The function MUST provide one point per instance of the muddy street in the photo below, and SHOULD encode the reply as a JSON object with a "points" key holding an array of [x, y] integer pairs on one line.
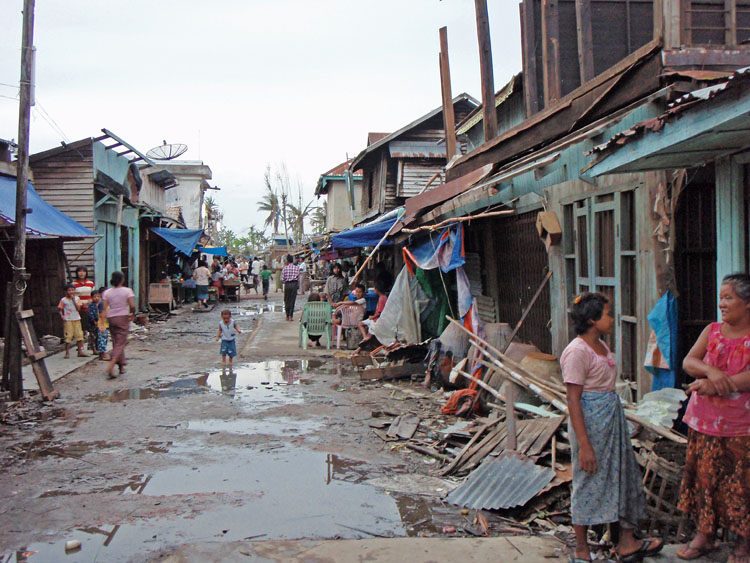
{"points": [[178, 452]]}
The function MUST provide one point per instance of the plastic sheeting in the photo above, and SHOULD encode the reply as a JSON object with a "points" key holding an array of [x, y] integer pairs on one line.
{"points": [[400, 319], [664, 323], [45, 219], [214, 250], [184, 240], [360, 237]]}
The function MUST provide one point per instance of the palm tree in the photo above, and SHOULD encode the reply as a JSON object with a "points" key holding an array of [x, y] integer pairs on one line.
{"points": [[319, 217], [297, 216], [269, 203]]}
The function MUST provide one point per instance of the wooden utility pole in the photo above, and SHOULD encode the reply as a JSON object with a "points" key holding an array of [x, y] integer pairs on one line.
{"points": [[485, 66], [20, 277], [449, 118]]}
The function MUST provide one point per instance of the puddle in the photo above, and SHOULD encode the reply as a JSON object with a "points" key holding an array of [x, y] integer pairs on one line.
{"points": [[283, 427], [285, 494], [174, 389], [266, 381]]}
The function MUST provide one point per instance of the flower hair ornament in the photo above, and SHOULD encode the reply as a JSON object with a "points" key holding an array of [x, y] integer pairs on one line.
{"points": [[577, 300]]}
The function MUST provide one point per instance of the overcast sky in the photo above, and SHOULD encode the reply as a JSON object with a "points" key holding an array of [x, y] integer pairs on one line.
{"points": [[245, 83]]}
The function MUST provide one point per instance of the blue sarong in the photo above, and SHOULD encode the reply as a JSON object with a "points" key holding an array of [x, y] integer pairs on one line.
{"points": [[615, 492]]}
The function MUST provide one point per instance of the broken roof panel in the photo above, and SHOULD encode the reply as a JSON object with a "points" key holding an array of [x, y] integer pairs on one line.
{"points": [[511, 480]]}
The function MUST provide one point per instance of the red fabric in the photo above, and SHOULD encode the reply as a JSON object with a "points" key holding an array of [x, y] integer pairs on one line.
{"points": [[451, 407], [85, 297], [379, 309]]}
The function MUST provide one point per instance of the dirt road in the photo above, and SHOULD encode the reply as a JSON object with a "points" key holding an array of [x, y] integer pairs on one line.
{"points": [[177, 460]]}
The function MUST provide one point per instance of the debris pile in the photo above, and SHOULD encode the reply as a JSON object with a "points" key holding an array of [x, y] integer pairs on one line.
{"points": [[512, 457]]}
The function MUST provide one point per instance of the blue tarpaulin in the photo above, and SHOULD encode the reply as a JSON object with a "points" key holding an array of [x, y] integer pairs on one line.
{"points": [[360, 237], [215, 250], [184, 240], [663, 321], [44, 219]]}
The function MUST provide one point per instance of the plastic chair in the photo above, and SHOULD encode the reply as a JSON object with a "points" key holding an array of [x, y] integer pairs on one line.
{"points": [[316, 320], [351, 315]]}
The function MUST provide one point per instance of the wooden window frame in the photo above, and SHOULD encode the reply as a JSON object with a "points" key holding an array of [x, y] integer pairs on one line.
{"points": [[587, 207], [728, 8]]}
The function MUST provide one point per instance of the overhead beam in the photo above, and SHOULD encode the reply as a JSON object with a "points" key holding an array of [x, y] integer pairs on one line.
{"points": [[485, 67], [449, 118]]}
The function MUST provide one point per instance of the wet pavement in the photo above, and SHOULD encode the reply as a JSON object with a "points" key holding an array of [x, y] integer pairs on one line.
{"points": [[187, 453]]}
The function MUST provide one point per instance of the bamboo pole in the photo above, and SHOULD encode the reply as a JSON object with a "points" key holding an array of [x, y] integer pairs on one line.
{"points": [[458, 220], [549, 397], [374, 250]]}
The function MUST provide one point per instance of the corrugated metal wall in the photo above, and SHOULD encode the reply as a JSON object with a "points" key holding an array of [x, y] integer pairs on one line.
{"points": [[520, 261], [66, 181]]}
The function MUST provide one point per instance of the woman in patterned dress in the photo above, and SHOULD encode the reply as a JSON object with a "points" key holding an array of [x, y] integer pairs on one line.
{"points": [[715, 487], [606, 477]]}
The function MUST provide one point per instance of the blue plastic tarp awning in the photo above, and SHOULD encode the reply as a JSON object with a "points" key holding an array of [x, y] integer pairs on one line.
{"points": [[45, 219], [360, 237], [184, 240], [214, 250]]}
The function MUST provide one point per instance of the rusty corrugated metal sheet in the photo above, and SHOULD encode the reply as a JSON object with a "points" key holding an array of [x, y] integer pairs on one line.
{"points": [[416, 149], [508, 481]]}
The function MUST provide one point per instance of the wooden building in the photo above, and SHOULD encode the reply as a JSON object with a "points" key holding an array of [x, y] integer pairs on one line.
{"points": [[598, 75], [343, 193], [398, 166], [98, 182]]}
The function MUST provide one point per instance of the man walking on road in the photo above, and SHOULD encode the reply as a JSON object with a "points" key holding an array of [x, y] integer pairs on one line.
{"points": [[290, 279]]}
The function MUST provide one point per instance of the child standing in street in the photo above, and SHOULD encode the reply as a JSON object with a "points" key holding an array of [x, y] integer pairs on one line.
{"points": [[228, 331], [607, 481], [99, 331], [265, 275], [69, 307]]}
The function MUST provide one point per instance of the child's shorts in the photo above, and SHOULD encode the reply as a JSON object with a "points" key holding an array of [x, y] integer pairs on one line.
{"points": [[228, 348], [72, 331]]}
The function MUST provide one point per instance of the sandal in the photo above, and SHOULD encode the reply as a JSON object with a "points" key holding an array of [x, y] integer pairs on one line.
{"points": [[687, 552], [645, 551]]}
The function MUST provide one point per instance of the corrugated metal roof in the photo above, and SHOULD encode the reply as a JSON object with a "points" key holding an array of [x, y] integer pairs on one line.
{"points": [[417, 149], [508, 481]]}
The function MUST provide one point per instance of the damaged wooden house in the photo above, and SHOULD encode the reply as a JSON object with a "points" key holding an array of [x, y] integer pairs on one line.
{"points": [[621, 158]]}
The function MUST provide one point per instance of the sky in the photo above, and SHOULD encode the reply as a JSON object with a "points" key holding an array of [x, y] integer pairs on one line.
{"points": [[245, 83]]}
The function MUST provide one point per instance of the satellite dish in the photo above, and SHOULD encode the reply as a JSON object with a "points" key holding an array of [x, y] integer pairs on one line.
{"points": [[167, 151]]}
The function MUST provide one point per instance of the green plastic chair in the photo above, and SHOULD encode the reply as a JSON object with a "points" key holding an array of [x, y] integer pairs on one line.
{"points": [[316, 320]]}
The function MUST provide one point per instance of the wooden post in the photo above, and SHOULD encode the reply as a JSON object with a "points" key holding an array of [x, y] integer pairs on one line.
{"points": [[510, 416], [528, 51], [20, 277], [449, 118], [585, 41], [485, 66], [550, 51]]}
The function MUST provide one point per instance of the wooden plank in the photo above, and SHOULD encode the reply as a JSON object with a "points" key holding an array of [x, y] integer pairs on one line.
{"points": [[585, 40], [449, 119], [485, 69], [510, 416], [404, 427], [389, 372], [36, 355], [469, 445], [551, 51], [528, 43]]}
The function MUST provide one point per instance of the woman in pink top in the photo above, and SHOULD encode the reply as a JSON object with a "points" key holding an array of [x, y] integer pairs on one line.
{"points": [[606, 477], [715, 487], [119, 306]]}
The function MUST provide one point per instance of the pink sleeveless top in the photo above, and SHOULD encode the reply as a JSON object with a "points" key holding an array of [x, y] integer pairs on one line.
{"points": [[722, 416]]}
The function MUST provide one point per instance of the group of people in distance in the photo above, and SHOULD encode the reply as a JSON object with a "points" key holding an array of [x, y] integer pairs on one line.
{"points": [[607, 481]]}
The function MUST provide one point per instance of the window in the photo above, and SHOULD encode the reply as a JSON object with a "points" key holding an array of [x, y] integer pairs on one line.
{"points": [[716, 22], [600, 248]]}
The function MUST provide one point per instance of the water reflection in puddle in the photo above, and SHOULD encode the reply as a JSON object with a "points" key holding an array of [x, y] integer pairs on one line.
{"points": [[283, 427], [285, 494]]}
